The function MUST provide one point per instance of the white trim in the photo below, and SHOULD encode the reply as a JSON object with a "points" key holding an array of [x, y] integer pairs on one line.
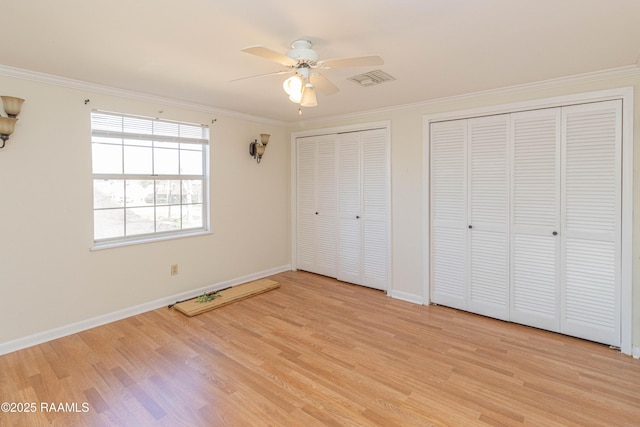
{"points": [[578, 98], [405, 296], [35, 76], [341, 129], [52, 334], [626, 250], [636, 352], [624, 93], [389, 212], [426, 211], [294, 202], [117, 244], [620, 72]]}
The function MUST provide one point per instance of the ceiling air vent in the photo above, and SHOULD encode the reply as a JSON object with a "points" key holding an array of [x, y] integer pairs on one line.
{"points": [[372, 78]]}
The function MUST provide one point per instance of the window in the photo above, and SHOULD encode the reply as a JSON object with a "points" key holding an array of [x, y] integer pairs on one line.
{"points": [[149, 178]]}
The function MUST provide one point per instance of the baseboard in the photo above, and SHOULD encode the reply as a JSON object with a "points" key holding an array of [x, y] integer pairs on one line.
{"points": [[636, 352], [52, 334], [405, 296]]}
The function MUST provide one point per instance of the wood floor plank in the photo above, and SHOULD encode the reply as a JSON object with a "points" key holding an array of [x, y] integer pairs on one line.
{"points": [[319, 352], [194, 306]]}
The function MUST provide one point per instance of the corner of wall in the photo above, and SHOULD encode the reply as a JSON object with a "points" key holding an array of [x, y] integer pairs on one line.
{"points": [[405, 296]]}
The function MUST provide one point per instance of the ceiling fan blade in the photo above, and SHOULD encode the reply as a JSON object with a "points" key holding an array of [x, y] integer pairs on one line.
{"points": [[263, 75], [271, 55], [323, 84], [359, 61]]}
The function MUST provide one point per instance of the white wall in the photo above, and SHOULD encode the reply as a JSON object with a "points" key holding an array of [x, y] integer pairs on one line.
{"points": [[49, 277], [408, 192]]}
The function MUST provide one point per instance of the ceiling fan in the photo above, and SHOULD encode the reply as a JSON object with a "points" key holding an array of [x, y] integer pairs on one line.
{"points": [[303, 62]]}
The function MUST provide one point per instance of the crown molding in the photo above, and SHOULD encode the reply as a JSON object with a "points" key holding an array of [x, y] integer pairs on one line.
{"points": [[620, 72], [612, 73], [7, 71]]}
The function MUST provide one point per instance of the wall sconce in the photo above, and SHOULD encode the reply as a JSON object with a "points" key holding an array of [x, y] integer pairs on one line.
{"points": [[12, 107], [256, 149]]}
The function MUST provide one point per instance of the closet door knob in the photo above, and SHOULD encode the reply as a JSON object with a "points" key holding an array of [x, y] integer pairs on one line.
{"points": [[470, 226], [316, 213], [555, 233], [357, 216]]}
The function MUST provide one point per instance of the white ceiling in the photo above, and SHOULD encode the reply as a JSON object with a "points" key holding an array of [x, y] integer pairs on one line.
{"points": [[189, 50]]}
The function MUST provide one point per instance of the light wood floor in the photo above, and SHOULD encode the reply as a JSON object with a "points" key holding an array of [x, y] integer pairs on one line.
{"points": [[320, 352]]}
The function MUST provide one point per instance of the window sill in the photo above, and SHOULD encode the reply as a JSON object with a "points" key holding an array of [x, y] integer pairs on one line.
{"points": [[145, 240]]}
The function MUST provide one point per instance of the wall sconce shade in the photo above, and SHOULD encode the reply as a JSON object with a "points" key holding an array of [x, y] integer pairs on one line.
{"points": [[256, 149], [12, 106], [7, 124], [6, 128]]}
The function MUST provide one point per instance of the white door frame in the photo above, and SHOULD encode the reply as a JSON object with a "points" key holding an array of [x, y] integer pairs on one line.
{"points": [[626, 95]]}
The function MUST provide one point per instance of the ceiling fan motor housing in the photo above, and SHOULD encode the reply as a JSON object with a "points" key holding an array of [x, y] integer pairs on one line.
{"points": [[301, 51]]}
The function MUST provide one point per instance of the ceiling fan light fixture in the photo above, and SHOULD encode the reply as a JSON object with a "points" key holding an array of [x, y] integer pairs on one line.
{"points": [[295, 98], [293, 87], [309, 98]]}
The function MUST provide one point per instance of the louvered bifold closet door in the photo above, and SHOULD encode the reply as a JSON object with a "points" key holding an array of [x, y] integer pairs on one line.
{"points": [[363, 208], [488, 200], [326, 206], [535, 214], [448, 234], [375, 208], [591, 209], [316, 204], [306, 203], [349, 202]]}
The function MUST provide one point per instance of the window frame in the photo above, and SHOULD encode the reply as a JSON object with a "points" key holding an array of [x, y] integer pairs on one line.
{"points": [[153, 137]]}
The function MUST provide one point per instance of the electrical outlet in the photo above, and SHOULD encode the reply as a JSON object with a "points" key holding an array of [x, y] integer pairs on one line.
{"points": [[174, 269]]}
